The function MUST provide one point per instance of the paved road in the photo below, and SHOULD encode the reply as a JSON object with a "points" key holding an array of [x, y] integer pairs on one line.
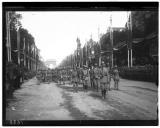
{"points": [[134, 101]]}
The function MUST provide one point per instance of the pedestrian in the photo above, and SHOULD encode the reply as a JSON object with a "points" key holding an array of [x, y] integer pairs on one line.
{"points": [[96, 77], [116, 77], [104, 80]]}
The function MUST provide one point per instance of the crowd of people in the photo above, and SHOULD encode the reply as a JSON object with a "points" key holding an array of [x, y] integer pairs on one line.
{"points": [[96, 77]]}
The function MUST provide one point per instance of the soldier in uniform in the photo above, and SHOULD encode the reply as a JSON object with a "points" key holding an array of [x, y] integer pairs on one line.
{"points": [[91, 72], [116, 77], [38, 76], [52, 72], [85, 78], [80, 74], [109, 77], [96, 77], [70, 76], [60, 76], [44, 75], [47, 76], [104, 80], [75, 79], [63, 76]]}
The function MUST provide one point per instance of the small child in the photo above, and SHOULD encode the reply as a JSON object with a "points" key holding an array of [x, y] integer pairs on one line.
{"points": [[116, 78]]}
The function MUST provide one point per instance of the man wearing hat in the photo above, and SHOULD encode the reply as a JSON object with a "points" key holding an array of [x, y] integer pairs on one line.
{"points": [[38, 76], [96, 76], [75, 79], [104, 80], [85, 78], [116, 77], [91, 72], [109, 77]]}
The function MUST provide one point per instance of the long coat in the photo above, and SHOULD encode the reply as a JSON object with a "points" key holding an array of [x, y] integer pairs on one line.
{"points": [[104, 75]]}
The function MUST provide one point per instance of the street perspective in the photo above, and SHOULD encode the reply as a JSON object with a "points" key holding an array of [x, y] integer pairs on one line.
{"points": [[80, 65]]}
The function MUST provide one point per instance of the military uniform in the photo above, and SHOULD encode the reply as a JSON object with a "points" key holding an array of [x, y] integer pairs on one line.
{"points": [[48, 76], [85, 78], [75, 79], [116, 78], [38, 76], [96, 77], [104, 81], [92, 78]]}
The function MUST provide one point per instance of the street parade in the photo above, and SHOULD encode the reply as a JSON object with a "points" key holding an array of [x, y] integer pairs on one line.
{"points": [[97, 78], [80, 65]]}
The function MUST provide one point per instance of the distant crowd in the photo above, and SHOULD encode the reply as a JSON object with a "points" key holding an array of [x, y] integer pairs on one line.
{"points": [[96, 77]]}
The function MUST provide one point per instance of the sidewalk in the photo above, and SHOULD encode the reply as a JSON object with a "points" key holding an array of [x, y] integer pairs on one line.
{"points": [[139, 84]]}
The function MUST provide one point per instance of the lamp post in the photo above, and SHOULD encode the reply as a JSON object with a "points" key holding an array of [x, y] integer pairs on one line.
{"points": [[111, 39]]}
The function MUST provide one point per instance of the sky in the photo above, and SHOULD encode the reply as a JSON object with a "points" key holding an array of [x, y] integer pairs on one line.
{"points": [[55, 33]]}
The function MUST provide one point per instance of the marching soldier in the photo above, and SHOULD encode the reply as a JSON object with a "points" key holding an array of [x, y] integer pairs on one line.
{"points": [[38, 76], [53, 75], [75, 79], [85, 78], [63, 76], [116, 77], [48, 76], [96, 77], [92, 77], [109, 77], [80, 73], [104, 80], [60, 76], [70, 76]]}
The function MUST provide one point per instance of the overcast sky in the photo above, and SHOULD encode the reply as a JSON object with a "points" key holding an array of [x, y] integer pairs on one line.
{"points": [[56, 32]]}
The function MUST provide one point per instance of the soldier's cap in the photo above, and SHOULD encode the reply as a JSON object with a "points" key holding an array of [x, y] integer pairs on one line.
{"points": [[84, 66]]}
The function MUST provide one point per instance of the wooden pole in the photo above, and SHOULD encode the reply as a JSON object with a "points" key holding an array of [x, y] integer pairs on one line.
{"points": [[131, 37], [128, 59], [24, 52], [111, 38], [100, 58], [8, 41], [131, 59], [28, 57], [18, 45]]}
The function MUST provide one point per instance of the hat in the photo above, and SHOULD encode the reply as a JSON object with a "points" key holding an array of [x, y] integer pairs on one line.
{"points": [[84, 66]]}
